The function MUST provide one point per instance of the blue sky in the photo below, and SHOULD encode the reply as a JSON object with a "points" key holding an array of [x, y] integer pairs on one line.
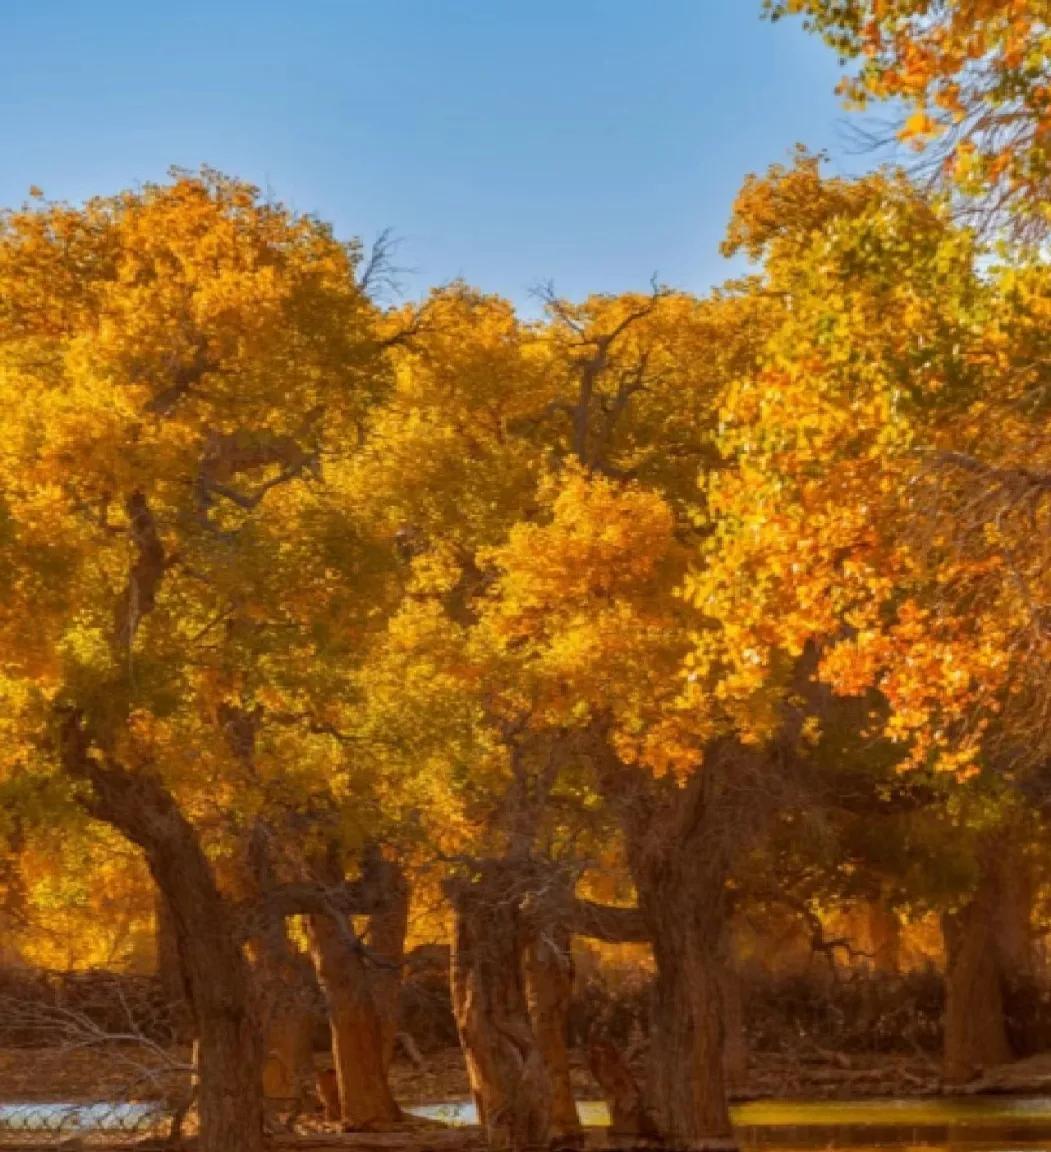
{"points": [[588, 142]]}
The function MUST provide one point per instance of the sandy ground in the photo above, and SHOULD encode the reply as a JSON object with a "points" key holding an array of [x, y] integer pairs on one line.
{"points": [[119, 1074]]}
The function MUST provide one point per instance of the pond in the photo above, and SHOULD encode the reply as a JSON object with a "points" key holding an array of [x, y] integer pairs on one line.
{"points": [[979, 1124]]}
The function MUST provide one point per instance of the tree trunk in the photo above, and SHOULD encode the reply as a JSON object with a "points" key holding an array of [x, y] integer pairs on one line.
{"points": [[735, 1043], [548, 969], [357, 1032], [167, 968], [505, 1065], [288, 1023], [975, 1029], [229, 1099], [288, 1070], [627, 1109], [679, 842], [884, 931], [285, 984], [988, 952], [229, 1094], [328, 1091], [687, 1087], [1015, 940], [386, 932], [169, 973], [1014, 912]]}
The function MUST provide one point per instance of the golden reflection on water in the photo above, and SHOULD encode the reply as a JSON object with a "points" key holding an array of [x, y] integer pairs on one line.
{"points": [[940, 1124]]}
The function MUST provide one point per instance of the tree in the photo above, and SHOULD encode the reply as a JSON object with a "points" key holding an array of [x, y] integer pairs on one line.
{"points": [[975, 79], [879, 513], [589, 636], [176, 364]]}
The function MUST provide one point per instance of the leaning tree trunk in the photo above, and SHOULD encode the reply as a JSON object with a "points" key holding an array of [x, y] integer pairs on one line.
{"points": [[168, 969], [505, 1064], [357, 1030], [229, 1092], [548, 968]]}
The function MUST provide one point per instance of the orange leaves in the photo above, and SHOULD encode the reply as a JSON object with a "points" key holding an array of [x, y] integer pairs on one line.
{"points": [[586, 598], [833, 527], [884, 503], [403, 542], [978, 67], [919, 129], [211, 354], [603, 542]]}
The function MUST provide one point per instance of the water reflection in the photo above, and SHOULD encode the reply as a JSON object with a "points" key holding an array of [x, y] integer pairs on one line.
{"points": [[1001, 1124], [934, 1125]]}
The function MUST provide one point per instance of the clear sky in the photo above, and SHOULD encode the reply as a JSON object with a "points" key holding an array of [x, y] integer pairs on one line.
{"points": [[588, 142]]}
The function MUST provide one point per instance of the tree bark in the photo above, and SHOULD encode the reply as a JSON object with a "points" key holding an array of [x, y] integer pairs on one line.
{"points": [[287, 1021], [385, 936], [687, 1088], [357, 1030], [884, 930], [735, 1043], [285, 984], [505, 1064], [680, 839], [229, 1095], [975, 1028], [168, 968], [548, 969], [288, 1068], [988, 950], [627, 1108]]}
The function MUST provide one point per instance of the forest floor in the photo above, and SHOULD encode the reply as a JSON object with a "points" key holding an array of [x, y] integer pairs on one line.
{"points": [[798, 1075], [41, 1074]]}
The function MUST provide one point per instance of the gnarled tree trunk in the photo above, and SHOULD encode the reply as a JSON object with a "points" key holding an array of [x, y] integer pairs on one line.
{"points": [[168, 969], [505, 1064], [987, 948], [229, 1094], [385, 936], [680, 839], [616, 1081], [687, 1088], [548, 969], [285, 983], [357, 1030]]}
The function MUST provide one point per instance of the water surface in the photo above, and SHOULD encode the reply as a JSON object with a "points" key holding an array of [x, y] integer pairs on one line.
{"points": [[978, 1124], [939, 1124]]}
